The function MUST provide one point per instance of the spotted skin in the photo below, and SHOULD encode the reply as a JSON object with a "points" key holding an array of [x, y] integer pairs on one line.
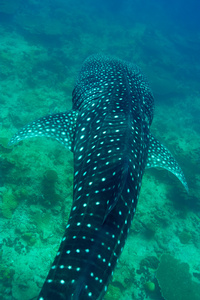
{"points": [[108, 132]]}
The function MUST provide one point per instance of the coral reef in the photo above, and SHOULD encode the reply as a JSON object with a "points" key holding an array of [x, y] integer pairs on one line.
{"points": [[9, 204], [42, 222], [4, 145], [50, 197], [185, 236], [50, 177], [6, 274], [113, 293], [150, 228], [150, 286], [175, 280], [150, 262], [30, 238]]}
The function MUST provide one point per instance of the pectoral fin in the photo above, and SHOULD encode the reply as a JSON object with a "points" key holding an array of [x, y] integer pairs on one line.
{"points": [[160, 157], [59, 126]]}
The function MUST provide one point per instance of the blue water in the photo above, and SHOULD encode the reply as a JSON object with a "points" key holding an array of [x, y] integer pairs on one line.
{"points": [[43, 45]]}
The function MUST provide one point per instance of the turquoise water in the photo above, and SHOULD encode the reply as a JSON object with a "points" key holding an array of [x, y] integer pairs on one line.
{"points": [[42, 47]]}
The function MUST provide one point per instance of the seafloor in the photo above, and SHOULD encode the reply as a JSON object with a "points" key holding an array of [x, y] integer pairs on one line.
{"points": [[39, 62]]}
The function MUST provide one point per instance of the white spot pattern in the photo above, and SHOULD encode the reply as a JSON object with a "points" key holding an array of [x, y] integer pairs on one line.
{"points": [[108, 131]]}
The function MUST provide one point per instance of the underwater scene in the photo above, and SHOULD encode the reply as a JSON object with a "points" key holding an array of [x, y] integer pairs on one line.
{"points": [[43, 45]]}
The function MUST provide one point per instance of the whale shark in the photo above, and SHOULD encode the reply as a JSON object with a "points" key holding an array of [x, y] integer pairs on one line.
{"points": [[108, 131]]}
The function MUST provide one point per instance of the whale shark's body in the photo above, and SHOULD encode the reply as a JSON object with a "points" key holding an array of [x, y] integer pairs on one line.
{"points": [[108, 132]]}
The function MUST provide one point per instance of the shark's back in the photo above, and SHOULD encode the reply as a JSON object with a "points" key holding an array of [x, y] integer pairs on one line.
{"points": [[108, 132], [110, 152]]}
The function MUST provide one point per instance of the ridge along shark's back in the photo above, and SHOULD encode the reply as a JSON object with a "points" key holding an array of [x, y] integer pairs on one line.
{"points": [[108, 132]]}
